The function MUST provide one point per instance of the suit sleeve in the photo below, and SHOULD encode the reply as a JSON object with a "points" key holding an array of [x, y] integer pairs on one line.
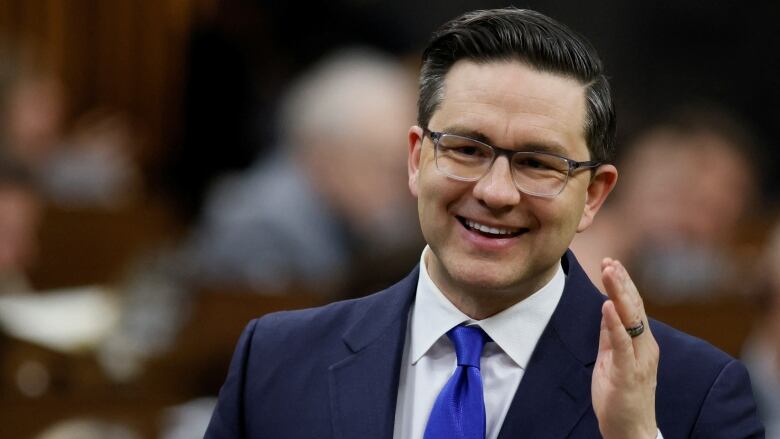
{"points": [[227, 421], [729, 410]]}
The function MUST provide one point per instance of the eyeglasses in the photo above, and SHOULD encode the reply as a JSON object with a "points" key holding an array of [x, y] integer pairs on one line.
{"points": [[534, 173]]}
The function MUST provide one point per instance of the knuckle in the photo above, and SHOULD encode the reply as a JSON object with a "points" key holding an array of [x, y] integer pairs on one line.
{"points": [[655, 350], [647, 373]]}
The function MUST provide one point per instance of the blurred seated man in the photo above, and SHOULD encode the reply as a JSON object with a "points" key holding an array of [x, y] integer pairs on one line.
{"points": [[686, 184], [329, 200], [20, 216], [90, 165], [334, 189], [762, 351]]}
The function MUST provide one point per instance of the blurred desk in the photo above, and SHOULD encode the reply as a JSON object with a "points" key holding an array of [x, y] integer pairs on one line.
{"points": [[85, 246], [76, 386], [724, 321], [39, 387], [205, 345]]}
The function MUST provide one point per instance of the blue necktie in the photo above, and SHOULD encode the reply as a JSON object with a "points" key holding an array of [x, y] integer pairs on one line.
{"points": [[459, 410]]}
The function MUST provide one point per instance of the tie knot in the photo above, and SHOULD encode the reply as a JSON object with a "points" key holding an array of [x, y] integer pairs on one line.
{"points": [[469, 342]]}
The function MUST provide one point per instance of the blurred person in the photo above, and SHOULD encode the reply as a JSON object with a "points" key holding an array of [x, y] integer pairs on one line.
{"points": [[687, 184], [34, 116], [333, 191], [90, 165], [497, 332], [761, 353], [94, 165], [299, 218], [20, 217]]}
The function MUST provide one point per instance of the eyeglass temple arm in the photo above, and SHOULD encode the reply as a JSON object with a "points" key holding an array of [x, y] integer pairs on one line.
{"points": [[585, 165]]}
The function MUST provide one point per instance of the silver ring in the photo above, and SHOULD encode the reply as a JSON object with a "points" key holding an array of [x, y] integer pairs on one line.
{"points": [[636, 331]]}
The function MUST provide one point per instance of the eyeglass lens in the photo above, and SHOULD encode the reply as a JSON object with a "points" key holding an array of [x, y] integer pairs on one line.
{"points": [[533, 173]]}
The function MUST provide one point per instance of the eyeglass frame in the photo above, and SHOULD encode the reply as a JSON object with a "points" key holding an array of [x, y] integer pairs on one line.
{"points": [[573, 165]]}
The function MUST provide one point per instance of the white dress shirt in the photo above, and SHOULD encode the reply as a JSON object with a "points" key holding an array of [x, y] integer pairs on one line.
{"points": [[429, 356]]}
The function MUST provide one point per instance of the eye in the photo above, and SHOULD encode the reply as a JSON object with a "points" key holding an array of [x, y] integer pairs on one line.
{"points": [[533, 163], [468, 150], [463, 148], [540, 163]]}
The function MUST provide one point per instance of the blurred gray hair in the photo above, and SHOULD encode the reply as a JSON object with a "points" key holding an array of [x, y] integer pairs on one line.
{"points": [[328, 99]]}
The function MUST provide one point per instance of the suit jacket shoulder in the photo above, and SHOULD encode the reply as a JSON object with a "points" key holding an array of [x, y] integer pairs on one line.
{"points": [[319, 372], [702, 392], [714, 387]]}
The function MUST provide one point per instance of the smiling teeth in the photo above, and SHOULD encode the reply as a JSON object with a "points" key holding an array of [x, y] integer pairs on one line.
{"points": [[492, 230]]}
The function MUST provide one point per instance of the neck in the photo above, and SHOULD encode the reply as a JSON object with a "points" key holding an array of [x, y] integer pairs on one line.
{"points": [[482, 301], [479, 309]]}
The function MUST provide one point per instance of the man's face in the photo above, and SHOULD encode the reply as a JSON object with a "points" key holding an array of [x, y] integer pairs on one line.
{"points": [[509, 105]]}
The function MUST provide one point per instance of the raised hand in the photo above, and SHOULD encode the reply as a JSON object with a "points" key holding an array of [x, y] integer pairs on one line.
{"points": [[624, 378]]}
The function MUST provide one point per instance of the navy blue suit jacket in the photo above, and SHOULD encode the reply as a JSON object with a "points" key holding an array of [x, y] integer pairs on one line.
{"points": [[332, 372]]}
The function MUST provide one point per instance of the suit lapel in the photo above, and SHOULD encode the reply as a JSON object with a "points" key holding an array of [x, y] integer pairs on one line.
{"points": [[554, 393], [364, 385]]}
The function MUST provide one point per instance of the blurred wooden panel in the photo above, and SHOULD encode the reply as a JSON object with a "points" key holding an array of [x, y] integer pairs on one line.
{"points": [[127, 55], [28, 418], [206, 343], [725, 322], [68, 386], [94, 246]]}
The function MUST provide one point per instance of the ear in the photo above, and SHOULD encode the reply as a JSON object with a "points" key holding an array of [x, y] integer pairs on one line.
{"points": [[601, 184], [413, 162]]}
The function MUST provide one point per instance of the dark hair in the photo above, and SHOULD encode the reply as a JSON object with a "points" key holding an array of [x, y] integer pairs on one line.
{"points": [[532, 38]]}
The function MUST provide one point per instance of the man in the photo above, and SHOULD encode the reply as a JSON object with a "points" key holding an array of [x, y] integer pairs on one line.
{"points": [[507, 163]]}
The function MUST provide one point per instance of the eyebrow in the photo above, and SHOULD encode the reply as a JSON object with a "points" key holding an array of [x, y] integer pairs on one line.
{"points": [[549, 147]]}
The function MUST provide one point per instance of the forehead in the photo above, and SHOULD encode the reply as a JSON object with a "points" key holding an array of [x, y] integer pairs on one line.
{"points": [[513, 105]]}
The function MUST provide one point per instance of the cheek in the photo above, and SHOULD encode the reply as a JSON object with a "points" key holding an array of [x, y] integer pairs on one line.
{"points": [[561, 217], [432, 198], [437, 195], [573, 206], [429, 202]]}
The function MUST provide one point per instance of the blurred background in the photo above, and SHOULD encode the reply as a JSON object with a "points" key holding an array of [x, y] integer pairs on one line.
{"points": [[170, 169]]}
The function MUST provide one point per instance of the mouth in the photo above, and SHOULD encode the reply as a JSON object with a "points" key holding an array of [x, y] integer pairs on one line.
{"points": [[490, 231]]}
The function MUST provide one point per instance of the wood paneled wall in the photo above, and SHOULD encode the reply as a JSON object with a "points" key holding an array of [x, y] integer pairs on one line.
{"points": [[125, 54]]}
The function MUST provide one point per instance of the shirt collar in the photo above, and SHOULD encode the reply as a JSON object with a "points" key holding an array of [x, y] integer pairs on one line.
{"points": [[516, 330]]}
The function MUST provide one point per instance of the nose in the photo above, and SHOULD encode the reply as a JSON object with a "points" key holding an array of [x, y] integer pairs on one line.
{"points": [[496, 189]]}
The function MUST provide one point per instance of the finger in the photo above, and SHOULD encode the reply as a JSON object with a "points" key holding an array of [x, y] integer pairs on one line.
{"points": [[621, 289], [619, 341], [629, 286], [606, 262], [604, 341], [630, 308]]}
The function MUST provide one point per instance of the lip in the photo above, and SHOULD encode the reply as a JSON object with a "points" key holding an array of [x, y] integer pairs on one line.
{"points": [[485, 243]]}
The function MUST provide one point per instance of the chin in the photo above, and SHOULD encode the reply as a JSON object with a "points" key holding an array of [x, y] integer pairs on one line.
{"points": [[486, 277]]}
